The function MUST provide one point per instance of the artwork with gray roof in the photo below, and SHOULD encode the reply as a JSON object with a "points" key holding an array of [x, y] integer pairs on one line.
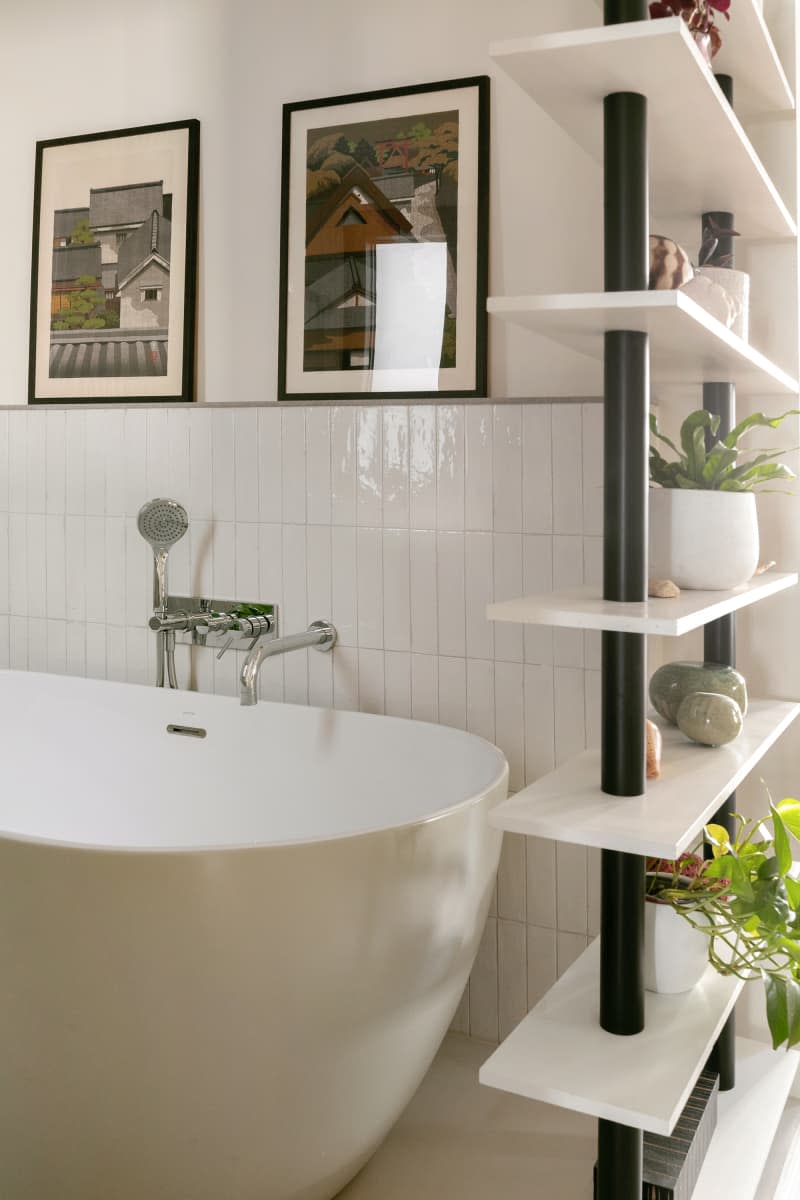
{"points": [[111, 272]]}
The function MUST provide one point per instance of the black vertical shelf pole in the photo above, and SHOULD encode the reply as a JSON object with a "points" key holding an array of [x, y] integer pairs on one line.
{"points": [[619, 1165], [719, 645]]}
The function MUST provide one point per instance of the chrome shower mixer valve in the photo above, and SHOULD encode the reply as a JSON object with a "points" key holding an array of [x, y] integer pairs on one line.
{"points": [[218, 624], [193, 620]]}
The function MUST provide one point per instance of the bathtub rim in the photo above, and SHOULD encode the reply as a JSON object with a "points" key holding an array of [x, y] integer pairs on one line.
{"points": [[499, 780]]}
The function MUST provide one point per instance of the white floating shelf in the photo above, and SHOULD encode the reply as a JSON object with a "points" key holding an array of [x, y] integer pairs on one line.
{"points": [[687, 344], [699, 154], [749, 1115], [568, 805], [559, 1053], [583, 608], [749, 56]]}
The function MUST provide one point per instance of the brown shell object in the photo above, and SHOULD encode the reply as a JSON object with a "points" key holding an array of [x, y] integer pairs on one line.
{"points": [[653, 747], [664, 588], [669, 264]]}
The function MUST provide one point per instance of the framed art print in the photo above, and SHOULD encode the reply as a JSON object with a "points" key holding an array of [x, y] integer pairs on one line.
{"points": [[384, 259], [113, 292]]}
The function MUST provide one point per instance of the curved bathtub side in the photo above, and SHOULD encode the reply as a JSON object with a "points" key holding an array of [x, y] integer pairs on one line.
{"points": [[246, 1024]]}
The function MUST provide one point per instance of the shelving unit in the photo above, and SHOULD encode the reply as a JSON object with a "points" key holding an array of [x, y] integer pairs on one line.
{"points": [[569, 74], [560, 1054], [568, 805], [627, 92], [748, 1116], [583, 607], [687, 344]]}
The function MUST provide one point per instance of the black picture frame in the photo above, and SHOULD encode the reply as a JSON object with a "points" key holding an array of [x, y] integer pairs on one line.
{"points": [[114, 228], [427, 186]]}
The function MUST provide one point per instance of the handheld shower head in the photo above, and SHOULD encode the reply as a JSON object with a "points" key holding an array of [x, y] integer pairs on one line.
{"points": [[162, 523]]}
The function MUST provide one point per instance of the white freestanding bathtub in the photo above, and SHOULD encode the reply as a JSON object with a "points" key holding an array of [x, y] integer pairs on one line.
{"points": [[226, 961]]}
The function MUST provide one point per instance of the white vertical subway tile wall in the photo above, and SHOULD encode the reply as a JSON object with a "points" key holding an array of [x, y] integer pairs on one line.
{"points": [[400, 524]]}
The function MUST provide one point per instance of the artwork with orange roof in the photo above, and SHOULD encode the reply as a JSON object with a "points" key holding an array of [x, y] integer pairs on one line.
{"points": [[372, 184]]}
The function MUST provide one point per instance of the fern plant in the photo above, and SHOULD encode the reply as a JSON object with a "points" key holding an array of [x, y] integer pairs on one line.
{"points": [[718, 467]]}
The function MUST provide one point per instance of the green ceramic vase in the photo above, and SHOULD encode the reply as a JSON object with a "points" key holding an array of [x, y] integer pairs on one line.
{"points": [[672, 682], [709, 718]]}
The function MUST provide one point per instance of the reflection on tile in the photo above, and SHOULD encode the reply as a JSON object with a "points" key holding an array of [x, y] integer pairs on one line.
{"points": [[369, 465], [318, 465], [370, 588], [450, 593], [450, 466], [396, 485], [396, 589], [270, 471], [293, 465], [567, 477], [479, 589], [508, 468], [537, 450], [246, 466], [479, 476], [343, 466], [422, 466]]}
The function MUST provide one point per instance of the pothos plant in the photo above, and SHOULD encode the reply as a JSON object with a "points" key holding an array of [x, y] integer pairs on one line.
{"points": [[746, 901], [718, 468], [699, 15]]}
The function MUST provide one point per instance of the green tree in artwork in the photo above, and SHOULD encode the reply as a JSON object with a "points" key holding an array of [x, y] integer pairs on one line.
{"points": [[364, 153], [86, 308], [81, 235], [417, 133]]}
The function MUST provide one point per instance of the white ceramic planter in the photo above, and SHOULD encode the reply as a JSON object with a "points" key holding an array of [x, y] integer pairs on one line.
{"points": [[675, 955], [713, 298], [736, 285], [701, 539]]}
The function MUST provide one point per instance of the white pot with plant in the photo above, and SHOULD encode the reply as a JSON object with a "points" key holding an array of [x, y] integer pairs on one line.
{"points": [[675, 953], [703, 521], [744, 905]]}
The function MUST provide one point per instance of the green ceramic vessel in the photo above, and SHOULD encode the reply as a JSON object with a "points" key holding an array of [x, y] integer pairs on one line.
{"points": [[709, 718], [670, 683]]}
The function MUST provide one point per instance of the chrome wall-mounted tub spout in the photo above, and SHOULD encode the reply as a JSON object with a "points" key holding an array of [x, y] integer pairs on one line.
{"points": [[162, 523], [320, 635]]}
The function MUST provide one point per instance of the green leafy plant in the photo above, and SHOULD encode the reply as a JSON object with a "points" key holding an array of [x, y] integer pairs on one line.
{"points": [[747, 903], [716, 468]]}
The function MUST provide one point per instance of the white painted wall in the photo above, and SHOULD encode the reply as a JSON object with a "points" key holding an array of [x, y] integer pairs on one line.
{"points": [[232, 64]]}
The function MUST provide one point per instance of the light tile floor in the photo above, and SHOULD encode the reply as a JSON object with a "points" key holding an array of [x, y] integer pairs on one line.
{"points": [[460, 1141]]}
